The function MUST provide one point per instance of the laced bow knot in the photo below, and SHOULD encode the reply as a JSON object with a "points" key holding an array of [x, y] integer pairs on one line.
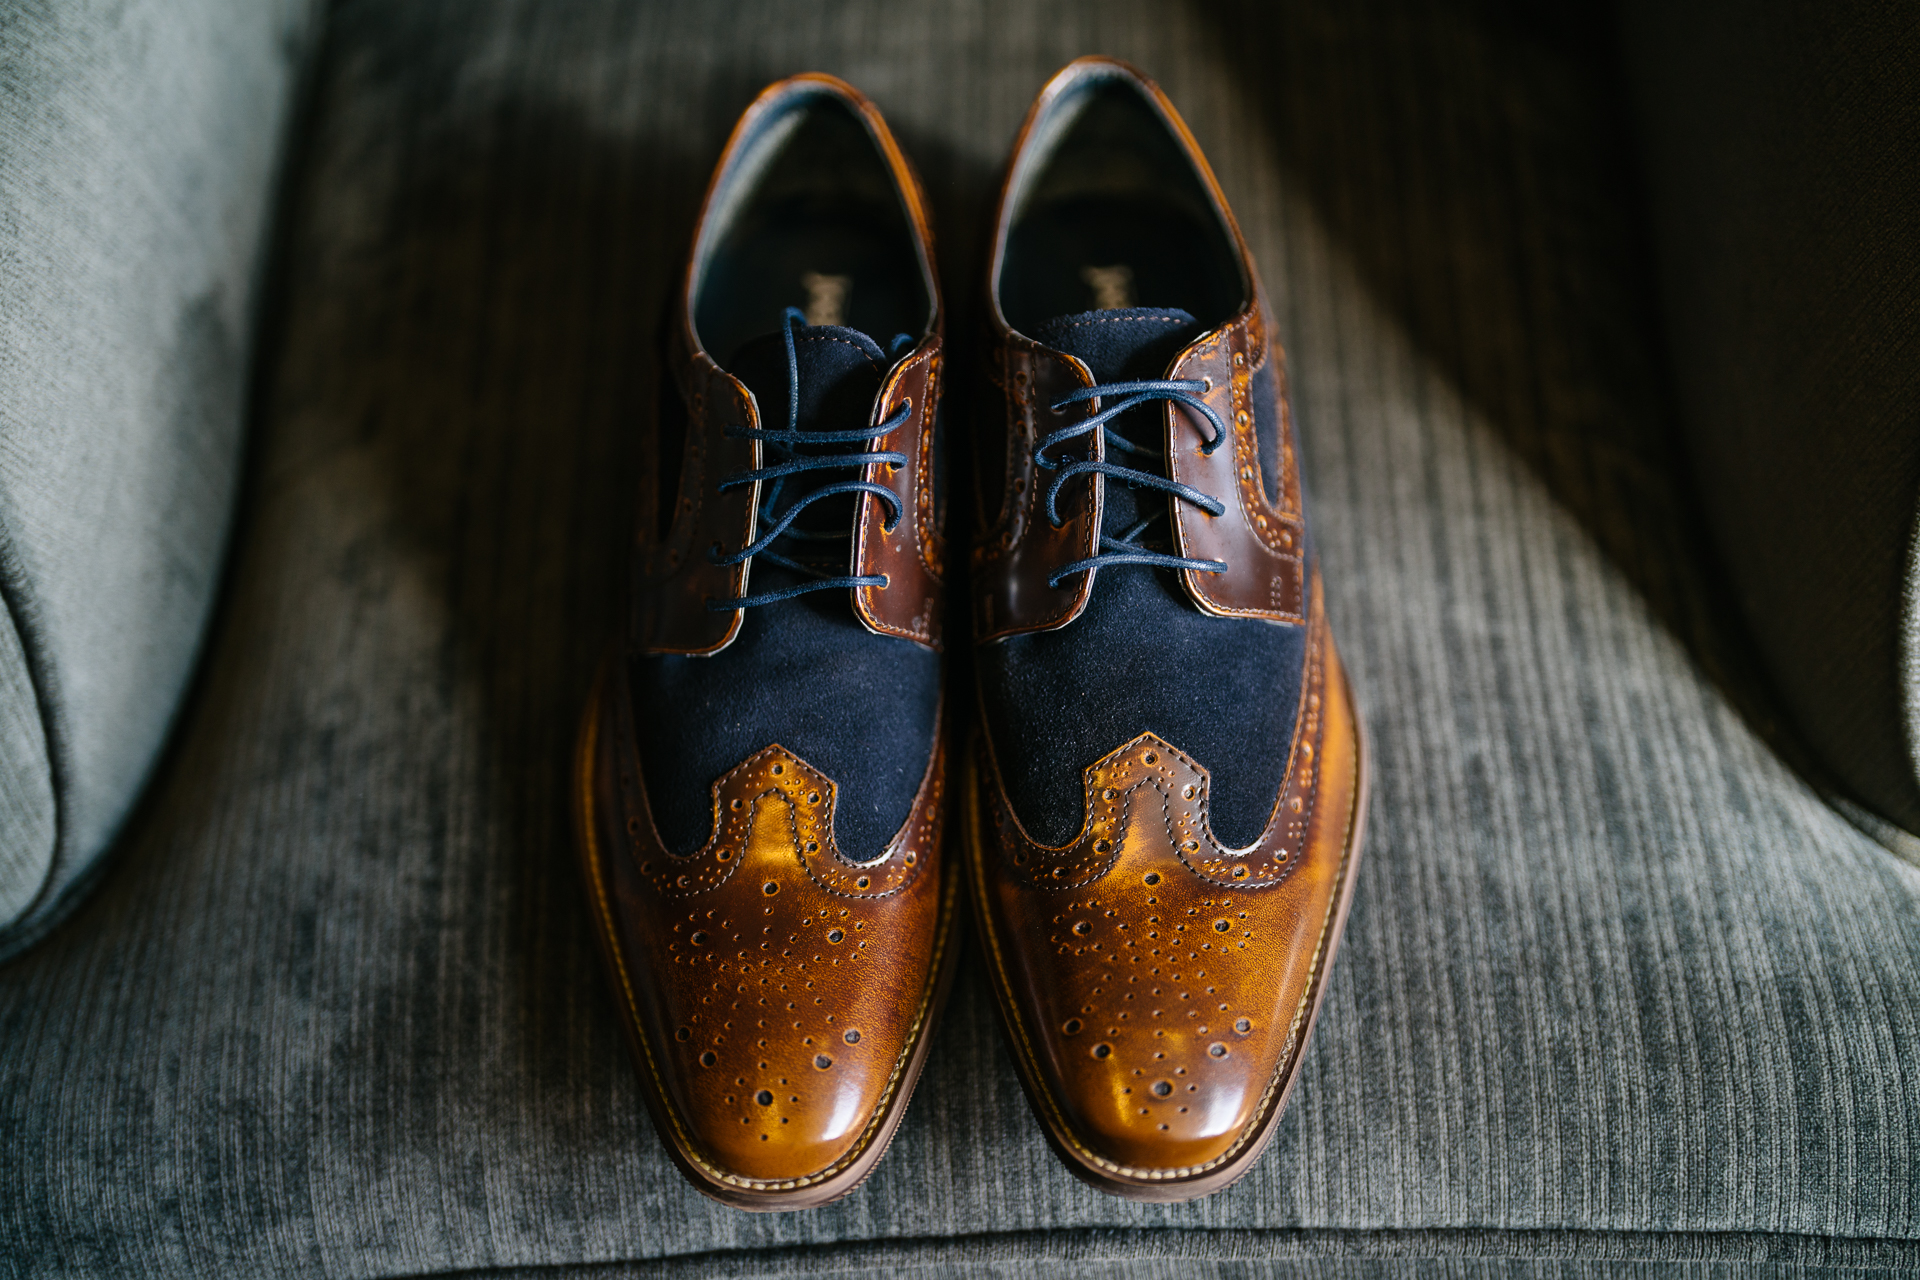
{"points": [[784, 443], [1125, 396]]}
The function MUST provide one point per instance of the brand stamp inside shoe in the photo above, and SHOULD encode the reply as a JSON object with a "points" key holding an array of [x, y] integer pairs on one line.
{"points": [[1112, 286], [826, 297]]}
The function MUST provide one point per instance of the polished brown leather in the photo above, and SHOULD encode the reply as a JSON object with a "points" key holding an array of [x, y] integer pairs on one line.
{"points": [[674, 575], [910, 555], [778, 996], [1015, 556], [1158, 986], [1260, 541]]}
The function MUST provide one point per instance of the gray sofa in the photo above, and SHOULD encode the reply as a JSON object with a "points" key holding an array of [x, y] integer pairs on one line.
{"points": [[323, 331]]}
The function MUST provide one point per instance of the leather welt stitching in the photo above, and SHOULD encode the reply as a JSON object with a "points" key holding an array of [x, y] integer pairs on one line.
{"points": [[680, 1132]]}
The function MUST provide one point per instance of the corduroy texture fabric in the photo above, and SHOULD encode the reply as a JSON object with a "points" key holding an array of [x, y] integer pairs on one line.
{"points": [[1617, 985], [138, 150], [1224, 1255], [1780, 149]]}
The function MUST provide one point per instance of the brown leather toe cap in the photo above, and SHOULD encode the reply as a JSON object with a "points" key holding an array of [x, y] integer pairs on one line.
{"points": [[777, 994], [1158, 986]]}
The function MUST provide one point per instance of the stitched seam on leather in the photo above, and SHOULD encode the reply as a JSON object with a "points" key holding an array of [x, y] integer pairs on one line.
{"points": [[1250, 504], [933, 777], [1316, 657], [1247, 469], [845, 342], [864, 595], [923, 478], [1289, 1049], [1004, 817], [793, 825], [988, 546], [1033, 353], [739, 572], [687, 1146], [1287, 1054], [1256, 327], [1077, 324], [718, 838], [929, 818], [738, 839]]}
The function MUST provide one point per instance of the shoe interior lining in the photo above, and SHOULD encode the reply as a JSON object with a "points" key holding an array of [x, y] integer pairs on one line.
{"points": [[1114, 214], [808, 216]]}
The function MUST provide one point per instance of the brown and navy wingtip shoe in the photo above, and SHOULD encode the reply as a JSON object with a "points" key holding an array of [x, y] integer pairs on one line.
{"points": [[1167, 784], [759, 781]]}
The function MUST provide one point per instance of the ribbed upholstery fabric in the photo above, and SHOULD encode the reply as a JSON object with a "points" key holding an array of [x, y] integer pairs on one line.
{"points": [[1618, 988], [139, 143], [1220, 1255], [26, 781], [1780, 146]]}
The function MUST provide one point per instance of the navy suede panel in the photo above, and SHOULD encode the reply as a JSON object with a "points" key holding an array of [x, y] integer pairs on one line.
{"points": [[803, 672], [1136, 342], [1267, 425], [1141, 657]]}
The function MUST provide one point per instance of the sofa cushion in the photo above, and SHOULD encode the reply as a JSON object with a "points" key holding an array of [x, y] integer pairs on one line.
{"points": [[1781, 143], [138, 147], [1617, 984]]}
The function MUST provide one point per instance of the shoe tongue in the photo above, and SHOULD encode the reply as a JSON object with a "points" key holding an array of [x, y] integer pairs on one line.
{"points": [[1128, 344], [839, 375]]}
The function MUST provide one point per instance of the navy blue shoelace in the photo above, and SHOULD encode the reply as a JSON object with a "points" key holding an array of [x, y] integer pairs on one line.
{"points": [[1121, 397], [784, 444]]}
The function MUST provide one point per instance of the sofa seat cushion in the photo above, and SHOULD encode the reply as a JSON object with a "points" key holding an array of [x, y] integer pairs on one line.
{"points": [[1617, 984]]}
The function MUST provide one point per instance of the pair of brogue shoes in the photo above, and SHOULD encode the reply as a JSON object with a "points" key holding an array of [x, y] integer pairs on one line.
{"points": [[1163, 781]]}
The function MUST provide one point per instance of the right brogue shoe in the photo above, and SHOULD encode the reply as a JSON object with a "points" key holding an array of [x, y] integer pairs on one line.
{"points": [[1168, 783]]}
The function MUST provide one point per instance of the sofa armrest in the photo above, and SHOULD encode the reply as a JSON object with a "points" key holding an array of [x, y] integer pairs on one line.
{"points": [[1781, 140], [139, 143]]}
